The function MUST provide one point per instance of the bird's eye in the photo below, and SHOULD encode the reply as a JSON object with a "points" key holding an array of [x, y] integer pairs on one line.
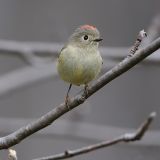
{"points": [[85, 37]]}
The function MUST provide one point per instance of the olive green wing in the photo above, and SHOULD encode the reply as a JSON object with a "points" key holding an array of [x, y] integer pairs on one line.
{"points": [[61, 51]]}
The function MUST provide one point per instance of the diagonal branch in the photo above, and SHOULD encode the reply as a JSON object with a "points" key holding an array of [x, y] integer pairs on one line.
{"points": [[127, 137], [47, 119]]}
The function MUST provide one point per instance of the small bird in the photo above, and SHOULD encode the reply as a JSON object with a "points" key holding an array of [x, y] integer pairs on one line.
{"points": [[79, 61]]}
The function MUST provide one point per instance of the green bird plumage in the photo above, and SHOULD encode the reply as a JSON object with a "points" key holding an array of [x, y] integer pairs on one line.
{"points": [[79, 61]]}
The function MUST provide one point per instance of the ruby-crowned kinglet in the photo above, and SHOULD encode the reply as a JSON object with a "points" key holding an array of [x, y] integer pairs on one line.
{"points": [[79, 61]]}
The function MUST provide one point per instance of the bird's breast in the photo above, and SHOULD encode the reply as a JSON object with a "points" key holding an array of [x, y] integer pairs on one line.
{"points": [[79, 67]]}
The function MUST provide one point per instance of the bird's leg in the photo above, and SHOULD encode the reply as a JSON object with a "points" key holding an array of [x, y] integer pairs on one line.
{"points": [[85, 93], [67, 97]]}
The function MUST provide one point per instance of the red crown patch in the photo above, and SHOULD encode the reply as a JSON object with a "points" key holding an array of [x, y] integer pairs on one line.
{"points": [[88, 27]]}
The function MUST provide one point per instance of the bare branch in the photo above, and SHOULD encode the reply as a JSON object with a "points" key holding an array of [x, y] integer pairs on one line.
{"points": [[127, 137], [60, 128], [23, 77], [141, 130], [139, 39], [47, 119], [29, 50]]}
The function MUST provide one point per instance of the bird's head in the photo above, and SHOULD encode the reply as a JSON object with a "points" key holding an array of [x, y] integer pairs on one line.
{"points": [[85, 36]]}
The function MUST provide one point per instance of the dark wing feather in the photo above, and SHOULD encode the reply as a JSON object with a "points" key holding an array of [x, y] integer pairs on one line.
{"points": [[61, 51]]}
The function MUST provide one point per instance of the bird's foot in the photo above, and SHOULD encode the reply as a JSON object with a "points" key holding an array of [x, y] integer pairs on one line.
{"points": [[67, 102], [67, 99], [85, 93]]}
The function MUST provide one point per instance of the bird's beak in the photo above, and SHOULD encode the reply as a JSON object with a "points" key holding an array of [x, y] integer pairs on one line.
{"points": [[98, 40]]}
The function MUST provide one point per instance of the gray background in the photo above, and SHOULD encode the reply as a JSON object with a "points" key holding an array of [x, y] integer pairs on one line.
{"points": [[122, 104]]}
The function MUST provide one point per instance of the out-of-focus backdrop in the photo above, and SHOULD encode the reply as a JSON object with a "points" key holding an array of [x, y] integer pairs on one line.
{"points": [[30, 87]]}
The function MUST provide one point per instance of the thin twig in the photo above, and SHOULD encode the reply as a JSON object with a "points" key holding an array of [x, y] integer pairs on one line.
{"points": [[83, 130], [139, 39], [47, 119], [127, 137]]}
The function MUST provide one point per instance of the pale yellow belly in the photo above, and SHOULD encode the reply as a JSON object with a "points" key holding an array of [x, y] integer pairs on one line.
{"points": [[79, 70]]}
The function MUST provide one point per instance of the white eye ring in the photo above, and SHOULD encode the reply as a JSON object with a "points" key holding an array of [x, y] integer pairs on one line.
{"points": [[85, 37]]}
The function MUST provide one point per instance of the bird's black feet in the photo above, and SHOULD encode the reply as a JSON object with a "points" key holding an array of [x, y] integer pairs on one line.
{"points": [[67, 102], [67, 99], [85, 93]]}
